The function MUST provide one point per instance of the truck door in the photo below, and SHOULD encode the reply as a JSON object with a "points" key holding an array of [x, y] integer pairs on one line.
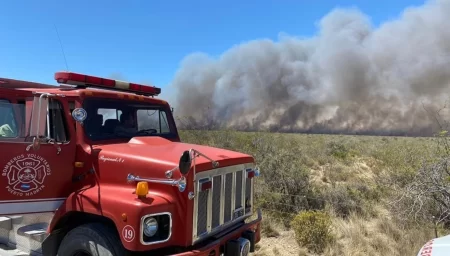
{"points": [[34, 180]]}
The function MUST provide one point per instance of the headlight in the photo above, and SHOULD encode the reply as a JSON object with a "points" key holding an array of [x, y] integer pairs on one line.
{"points": [[156, 228], [150, 227]]}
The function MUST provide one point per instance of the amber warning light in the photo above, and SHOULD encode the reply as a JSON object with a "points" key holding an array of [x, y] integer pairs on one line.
{"points": [[81, 80]]}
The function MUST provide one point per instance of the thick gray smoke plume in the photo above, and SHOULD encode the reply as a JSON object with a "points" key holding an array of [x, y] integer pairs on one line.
{"points": [[349, 78]]}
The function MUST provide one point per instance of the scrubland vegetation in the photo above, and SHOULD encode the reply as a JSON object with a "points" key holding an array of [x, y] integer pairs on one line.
{"points": [[344, 195]]}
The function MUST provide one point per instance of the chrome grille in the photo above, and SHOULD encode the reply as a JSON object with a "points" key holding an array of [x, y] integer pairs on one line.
{"points": [[228, 197], [248, 197], [202, 212], [238, 195], [214, 208], [216, 202]]}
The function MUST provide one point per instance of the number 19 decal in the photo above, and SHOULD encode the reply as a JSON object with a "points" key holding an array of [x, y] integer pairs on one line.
{"points": [[128, 233]]}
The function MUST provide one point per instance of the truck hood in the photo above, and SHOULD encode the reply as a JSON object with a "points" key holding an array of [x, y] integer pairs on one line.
{"points": [[159, 155]]}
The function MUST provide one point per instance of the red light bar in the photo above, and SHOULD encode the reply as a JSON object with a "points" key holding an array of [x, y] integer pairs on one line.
{"points": [[92, 81]]}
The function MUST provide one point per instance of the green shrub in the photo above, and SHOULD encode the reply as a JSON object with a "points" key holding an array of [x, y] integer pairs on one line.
{"points": [[338, 150], [344, 201], [352, 198], [313, 230], [341, 150]]}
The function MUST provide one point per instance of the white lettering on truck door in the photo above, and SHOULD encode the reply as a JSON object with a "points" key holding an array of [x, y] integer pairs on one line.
{"points": [[26, 174]]}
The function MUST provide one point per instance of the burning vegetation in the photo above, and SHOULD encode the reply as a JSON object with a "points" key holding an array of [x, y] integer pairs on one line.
{"points": [[351, 77]]}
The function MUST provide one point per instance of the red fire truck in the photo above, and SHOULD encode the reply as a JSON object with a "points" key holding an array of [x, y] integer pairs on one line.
{"points": [[95, 166]]}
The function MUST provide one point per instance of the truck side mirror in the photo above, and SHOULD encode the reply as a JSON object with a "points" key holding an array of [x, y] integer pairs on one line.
{"points": [[185, 162], [38, 118]]}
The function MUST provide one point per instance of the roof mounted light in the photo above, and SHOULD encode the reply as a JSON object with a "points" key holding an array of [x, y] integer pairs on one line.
{"points": [[81, 80]]}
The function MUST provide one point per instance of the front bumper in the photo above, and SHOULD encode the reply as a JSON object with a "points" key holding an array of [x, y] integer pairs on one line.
{"points": [[217, 247]]}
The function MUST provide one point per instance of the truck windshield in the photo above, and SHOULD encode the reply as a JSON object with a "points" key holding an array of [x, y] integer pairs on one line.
{"points": [[115, 119]]}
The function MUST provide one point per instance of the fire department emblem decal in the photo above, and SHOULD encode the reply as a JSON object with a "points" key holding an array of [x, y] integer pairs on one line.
{"points": [[26, 174]]}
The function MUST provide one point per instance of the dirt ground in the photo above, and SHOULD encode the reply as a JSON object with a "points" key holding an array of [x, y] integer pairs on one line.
{"points": [[283, 245]]}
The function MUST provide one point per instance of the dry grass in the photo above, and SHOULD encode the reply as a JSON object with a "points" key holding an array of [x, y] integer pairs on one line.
{"points": [[376, 236], [352, 177]]}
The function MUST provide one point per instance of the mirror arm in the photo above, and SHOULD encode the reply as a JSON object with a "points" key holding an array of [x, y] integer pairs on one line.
{"points": [[48, 95], [39, 113], [173, 169], [36, 140], [195, 153]]}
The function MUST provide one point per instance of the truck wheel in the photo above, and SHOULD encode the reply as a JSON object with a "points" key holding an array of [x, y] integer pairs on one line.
{"points": [[93, 239]]}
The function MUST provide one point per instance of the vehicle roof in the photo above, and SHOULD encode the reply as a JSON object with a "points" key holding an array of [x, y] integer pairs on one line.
{"points": [[71, 91]]}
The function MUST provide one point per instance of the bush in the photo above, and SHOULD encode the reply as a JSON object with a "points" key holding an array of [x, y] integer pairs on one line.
{"points": [[338, 150], [348, 198], [284, 187], [344, 201], [313, 230]]}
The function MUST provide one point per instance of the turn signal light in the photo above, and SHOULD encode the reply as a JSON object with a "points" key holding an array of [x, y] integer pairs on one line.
{"points": [[79, 164], [142, 189]]}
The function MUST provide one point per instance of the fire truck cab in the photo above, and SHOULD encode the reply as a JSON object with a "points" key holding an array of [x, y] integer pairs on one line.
{"points": [[95, 166]]}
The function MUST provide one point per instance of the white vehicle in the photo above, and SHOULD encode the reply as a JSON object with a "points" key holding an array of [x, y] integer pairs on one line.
{"points": [[436, 247]]}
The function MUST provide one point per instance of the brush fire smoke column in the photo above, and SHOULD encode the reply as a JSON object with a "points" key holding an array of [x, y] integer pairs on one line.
{"points": [[350, 77]]}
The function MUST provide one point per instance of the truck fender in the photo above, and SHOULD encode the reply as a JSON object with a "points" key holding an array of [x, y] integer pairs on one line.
{"points": [[107, 205]]}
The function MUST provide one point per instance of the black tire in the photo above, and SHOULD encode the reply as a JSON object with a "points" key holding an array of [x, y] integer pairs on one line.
{"points": [[93, 239]]}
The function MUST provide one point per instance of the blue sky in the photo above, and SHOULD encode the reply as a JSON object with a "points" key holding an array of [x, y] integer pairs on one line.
{"points": [[145, 41]]}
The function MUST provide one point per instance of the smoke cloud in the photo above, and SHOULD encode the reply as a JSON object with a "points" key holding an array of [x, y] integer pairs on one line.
{"points": [[349, 78]]}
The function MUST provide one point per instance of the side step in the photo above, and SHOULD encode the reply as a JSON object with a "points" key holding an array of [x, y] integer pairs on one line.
{"points": [[6, 251], [37, 232], [5, 223], [23, 235]]}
